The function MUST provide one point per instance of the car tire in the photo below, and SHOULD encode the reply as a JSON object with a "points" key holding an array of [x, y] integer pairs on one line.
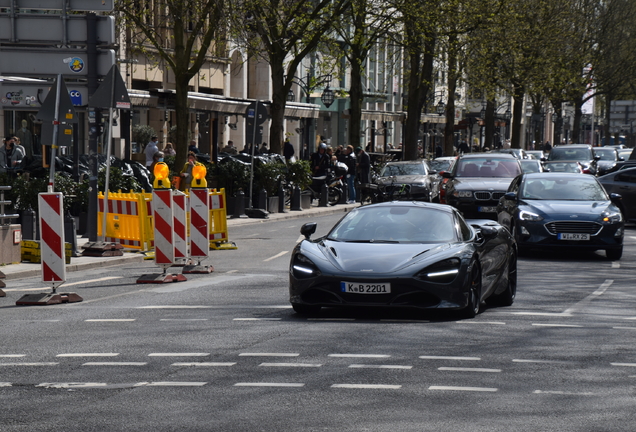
{"points": [[507, 297], [303, 309], [614, 254], [473, 307]]}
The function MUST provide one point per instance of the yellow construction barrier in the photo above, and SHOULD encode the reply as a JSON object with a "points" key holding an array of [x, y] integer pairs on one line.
{"points": [[218, 221], [30, 251]]}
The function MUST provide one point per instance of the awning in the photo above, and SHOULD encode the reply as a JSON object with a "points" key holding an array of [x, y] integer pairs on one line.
{"points": [[302, 110], [379, 116], [142, 98], [207, 102]]}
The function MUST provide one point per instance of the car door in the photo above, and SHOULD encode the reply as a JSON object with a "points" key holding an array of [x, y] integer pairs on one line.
{"points": [[506, 209], [625, 184]]}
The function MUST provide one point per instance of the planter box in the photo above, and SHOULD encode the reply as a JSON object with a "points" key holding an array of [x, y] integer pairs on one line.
{"points": [[10, 239]]}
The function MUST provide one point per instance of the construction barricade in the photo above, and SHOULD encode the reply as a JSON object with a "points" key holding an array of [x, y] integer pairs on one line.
{"points": [[218, 221], [128, 220]]}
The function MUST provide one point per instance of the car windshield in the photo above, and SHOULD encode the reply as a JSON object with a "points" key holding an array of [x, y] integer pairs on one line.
{"points": [[403, 169], [564, 153], [567, 188], [571, 167], [403, 224], [606, 154], [530, 165], [488, 167], [440, 165]]}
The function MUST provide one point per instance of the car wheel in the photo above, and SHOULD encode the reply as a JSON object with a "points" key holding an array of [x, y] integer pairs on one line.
{"points": [[614, 254], [303, 309], [507, 297], [474, 292]]}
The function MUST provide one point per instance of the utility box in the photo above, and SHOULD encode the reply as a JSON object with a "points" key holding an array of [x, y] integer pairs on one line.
{"points": [[10, 239]]}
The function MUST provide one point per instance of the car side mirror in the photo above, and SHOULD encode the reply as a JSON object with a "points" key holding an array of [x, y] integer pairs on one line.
{"points": [[544, 159], [308, 229], [485, 232], [446, 174], [621, 158], [597, 158], [431, 172], [511, 196], [614, 197]]}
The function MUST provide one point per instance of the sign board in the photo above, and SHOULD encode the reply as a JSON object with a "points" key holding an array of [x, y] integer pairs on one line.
{"points": [[33, 95], [51, 62], [75, 5], [50, 29], [112, 92]]}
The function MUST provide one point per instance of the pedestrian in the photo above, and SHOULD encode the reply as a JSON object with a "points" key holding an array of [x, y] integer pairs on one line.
{"points": [[150, 150], [186, 172], [10, 155], [350, 161], [263, 149], [26, 139], [193, 147], [547, 147], [156, 158], [363, 166], [439, 151], [320, 161], [229, 148], [463, 147], [247, 148], [288, 151], [168, 150]]}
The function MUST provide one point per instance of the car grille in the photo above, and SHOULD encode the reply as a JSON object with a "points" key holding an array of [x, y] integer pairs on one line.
{"points": [[581, 227], [486, 195]]}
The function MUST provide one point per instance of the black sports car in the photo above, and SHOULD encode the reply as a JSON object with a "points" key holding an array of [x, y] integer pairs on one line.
{"points": [[562, 210], [404, 254]]}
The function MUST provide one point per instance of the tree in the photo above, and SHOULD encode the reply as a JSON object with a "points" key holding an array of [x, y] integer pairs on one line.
{"points": [[180, 33]]}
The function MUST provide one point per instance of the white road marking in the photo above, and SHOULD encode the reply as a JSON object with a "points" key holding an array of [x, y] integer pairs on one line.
{"points": [[204, 364], [360, 355], [481, 322], [268, 355], [300, 238], [459, 369], [278, 255], [550, 314], [203, 283], [624, 364], [178, 354], [290, 365], [472, 389], [624, 328], [115, 364], [369, 366], [534, 361], [88, 355], [556, 325], [211, 307], [5, 384], [630, 318], [30, 364], [61, 385], [231, 271], [12, 355], [175, 384], [257, 319], [111, 320], [177, 307], [450, 358], [367, 386], [616, 264], [183, 319], [263, 384], [67, 284], [581, 304], [556, 392]]}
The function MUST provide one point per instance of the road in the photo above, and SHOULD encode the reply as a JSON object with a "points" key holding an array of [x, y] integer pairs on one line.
{"points": [[225, 352]]}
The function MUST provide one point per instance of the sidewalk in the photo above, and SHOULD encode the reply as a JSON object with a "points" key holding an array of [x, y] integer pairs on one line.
{"points": [[26, 269]]}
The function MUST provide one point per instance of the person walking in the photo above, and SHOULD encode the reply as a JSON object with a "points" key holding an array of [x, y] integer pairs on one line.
{"points": [[11, 155], [288, 151], [150, 150], [350, 160], [363, 167], [320, 161]]}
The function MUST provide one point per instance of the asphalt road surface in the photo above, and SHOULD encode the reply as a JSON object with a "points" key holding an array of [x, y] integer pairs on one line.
{"points": [[225, 352]]}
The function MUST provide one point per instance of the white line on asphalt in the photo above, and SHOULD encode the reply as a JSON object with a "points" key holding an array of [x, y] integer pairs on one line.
{"points": [[205, 364], [290, 365], [30, 364], [278, 255], [581, 304], [175, 384], [268, 355], [111, 320], [535, 361], [68, 284], [231, 271], [300, 238], [331, 319], [550, 314], [624, 364], [115, 364], [178, 354], [5, 384], [556, 325], [630, 318], [459, 369], [449, 358], [556, 392], [367, 386], [62, 385], [88, 355], [624, 328], [263, 384], [257, 319], [183, 319], [616, 264], [472, 389], [12, 355], [481, 322], [360, 355], [369, 366]]}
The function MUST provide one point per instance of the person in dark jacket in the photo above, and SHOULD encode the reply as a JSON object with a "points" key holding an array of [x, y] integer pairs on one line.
{"points": [[320, 161], [363, 167], [288, 151], [349, 159]]}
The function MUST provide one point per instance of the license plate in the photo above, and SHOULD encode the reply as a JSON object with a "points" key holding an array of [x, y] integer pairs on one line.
{"points": [[365, 288], [487, 209], [571, 236]]}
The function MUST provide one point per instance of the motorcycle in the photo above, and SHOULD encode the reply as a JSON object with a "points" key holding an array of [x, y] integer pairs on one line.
{"points": [[334, 184]]}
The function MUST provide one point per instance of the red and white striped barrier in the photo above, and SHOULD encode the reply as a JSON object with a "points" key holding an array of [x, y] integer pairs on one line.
{"points": [[179, 228], [51, 209], [199, 228]]}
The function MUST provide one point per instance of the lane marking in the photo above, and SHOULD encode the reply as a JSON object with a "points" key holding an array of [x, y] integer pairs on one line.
{"points": [[450, 358], [30, 364], [481, 322], [88, 355], [360, 355], [624, 364], [231, 271], [369, 366], [115, 364], [459, 369], [331, 319], [290, 365], [68, 284], [12, 355], [178, 354], [205, 364], [624, 328], [557, 325], [630, 318], [5, 384], [577, 307], [183, 319], [550, 314], [471, 389], [616, 264], [556, 392], [262, 384], [367, 386], [67, 385], [278, 255], [210, 307], [257, 319], [111, 320], [175, 384], [268, 355], [535, 361]]}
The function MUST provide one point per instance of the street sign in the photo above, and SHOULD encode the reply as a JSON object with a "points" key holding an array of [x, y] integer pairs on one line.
{"points": [[74, 5], [51, 29], [51, 62], [33, 95], [112, 93], [61, 110]]}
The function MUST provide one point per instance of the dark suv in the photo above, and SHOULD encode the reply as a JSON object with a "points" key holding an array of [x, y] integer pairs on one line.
{"points": [[478, 180], [581, 153]]}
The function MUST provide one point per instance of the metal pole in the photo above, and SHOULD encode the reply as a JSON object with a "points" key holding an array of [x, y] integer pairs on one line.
{"points": [[253, 144], [111, 118], [56, 129]]}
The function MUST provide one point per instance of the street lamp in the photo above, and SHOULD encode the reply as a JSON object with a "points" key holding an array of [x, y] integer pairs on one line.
{"points": [[441, 106], [291, 97], [327, 97]]}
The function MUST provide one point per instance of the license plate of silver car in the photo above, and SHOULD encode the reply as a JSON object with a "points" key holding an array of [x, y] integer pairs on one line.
{"points": [[365, 288], [573, 236]]}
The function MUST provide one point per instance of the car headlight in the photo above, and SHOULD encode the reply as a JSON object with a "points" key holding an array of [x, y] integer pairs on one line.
{"points": [[441, 272], [612, 217], [303, 268], [463, 194], [529, 216]]}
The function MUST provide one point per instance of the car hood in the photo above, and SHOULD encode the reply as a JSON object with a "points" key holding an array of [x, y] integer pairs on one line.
{"points": [[584, 210], [606, 164], [378, 258], [407, 179], [482, 183]]}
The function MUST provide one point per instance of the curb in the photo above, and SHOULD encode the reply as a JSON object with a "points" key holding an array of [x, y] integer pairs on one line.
{"points": [[321, 211]]}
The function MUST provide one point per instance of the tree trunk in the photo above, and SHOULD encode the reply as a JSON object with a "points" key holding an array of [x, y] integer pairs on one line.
{"points": [[183, 121], [515, 136], [489, 129], [356, 97]]}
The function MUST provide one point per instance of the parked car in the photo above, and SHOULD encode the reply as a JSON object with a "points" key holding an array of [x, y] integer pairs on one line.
{"points": [[416, 174], [609, 158], [582, 153], [441, 165], [561, 210], [404, 255], [623, 182], [568, 167], [531, 165], [478, 180]]}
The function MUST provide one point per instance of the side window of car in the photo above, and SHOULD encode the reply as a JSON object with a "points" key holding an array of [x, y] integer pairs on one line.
{"points": [[628, 176], [514, 185], [464, 229]]}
